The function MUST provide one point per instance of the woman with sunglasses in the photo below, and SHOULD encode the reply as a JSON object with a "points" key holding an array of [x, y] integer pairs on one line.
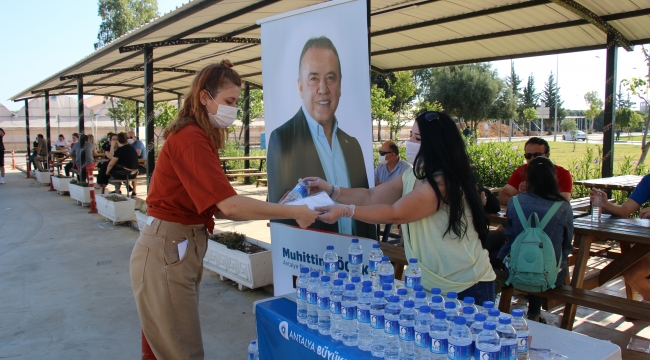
{"points": [[439, 204]]}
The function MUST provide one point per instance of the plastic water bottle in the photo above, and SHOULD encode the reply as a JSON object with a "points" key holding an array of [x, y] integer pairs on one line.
{"points": [[453, 296], [363, 319], [324, 315], [413, 275], [417, 288], [355, 258], [374, 260], [387, 289], [419, 300], [349, 315], [336, 297], [521, 327], [253, 353], [377, 310], [487, 306], [468, 314], [435, 292], [386, 270], [488, 344], [477, 327], [356, 281], [493, 315], [330, 262], [301, 295], [299, 191], [460, 340], [342, 275], [596, 207], [366, 283], [312, 300], [469, 301], [423, 322], [451, 311], [439, 333], [508, 337], [407, 331], [391, 328], [403, 295], [437, 304]]}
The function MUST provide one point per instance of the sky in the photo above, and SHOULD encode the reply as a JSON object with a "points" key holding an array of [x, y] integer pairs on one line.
{"points": [[43, 37]]}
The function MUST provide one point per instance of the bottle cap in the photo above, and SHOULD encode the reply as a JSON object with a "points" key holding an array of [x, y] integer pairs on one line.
{"points": [[355, 240], [468, 310], [480, 317], [450, 305], [489, 326], [366, 283], [375, 246], [379, 294], [517, 313], [413, 261], [488, 304], [437, 299], [338, 282], [343, 275], [356, 279], [349, 287], [314, 274], [330, 247], [420, 295], [459, 320], [425, 309], [393, 299], [408, 304], [367, 289], [468, 300], [387, 287], [436, 291], [452, 295], [402, 291], [253, 342], [504, 320], [440, 315], [494, 312], [385, 258], [325, 278], [304, 270], [418, 288]]}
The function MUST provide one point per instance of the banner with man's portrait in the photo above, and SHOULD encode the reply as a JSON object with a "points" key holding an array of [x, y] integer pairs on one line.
{"points": [[317, 112]]}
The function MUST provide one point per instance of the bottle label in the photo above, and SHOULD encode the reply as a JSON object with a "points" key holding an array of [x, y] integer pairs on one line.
{"points": [[363, 315], [301, 293], [373, 265], [522, 344], [384, 279], [335, 307], [406, 333], [349, 312], [411, 281], [377, 321], [459, 352], [422, 339], [323, 303], [312, 298], [355, 259], [438, 346], [331, 267], [301, 190], [391, 327], [487, 355], [509, 352]]}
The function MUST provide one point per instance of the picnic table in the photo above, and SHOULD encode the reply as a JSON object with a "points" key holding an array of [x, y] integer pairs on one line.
{"points": [[233, 173], [625, 183], [500, 217]]}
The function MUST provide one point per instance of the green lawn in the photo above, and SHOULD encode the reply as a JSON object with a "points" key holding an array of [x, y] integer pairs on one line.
{"points": [[632, 138]]}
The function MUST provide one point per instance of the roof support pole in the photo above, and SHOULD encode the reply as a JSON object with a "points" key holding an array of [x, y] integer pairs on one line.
{"points": [[29, 151], [137, 120], [80, 111], [178, 103], [149, 112], [246, 119], [610, 106], [47, 120]]}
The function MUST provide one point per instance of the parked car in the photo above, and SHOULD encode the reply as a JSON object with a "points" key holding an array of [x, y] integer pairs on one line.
{"points": [[579, 135]]}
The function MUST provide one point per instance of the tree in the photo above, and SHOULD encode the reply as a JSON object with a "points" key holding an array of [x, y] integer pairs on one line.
{"points": [[380, 107], [513, 82], [570, 126], [403, 91], [121, 16], [595, 106], [505, 106], [550, 97], [623, 103], [256, 109], [122, 112], [530, 115], [530, 99], [639, 87]]}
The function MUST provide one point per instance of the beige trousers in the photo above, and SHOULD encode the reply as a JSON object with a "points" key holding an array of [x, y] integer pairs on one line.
{"points": [[166, 288]]}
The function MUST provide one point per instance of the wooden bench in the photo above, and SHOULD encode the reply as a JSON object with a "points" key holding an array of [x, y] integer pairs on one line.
{"points": [[234, 171], [262, 181], [245, 175]]}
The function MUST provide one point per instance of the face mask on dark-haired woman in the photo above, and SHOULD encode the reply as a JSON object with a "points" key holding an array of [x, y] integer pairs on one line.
{"points": [[412, 150]]}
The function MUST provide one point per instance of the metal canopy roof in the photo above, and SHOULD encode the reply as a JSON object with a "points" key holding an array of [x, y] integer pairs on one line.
{"points": [[404, 35]]}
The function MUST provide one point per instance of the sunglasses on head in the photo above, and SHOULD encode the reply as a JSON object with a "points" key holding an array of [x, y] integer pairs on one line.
{"points": [[430, 115], [383, 153], [529, 156]]}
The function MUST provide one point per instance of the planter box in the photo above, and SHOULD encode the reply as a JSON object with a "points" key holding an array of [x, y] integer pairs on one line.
{"points": [[43, 177], [250, 270], [142, 220], [116, 211], [61, 185], [79, 193]]}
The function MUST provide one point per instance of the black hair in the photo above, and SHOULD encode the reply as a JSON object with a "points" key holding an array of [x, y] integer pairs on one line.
{"points": [[443, 150], [542, 180], [61, 135], [539, 141]]}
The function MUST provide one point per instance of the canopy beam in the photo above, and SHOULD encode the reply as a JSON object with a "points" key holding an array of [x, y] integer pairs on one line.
{"points": [[191, 41]]}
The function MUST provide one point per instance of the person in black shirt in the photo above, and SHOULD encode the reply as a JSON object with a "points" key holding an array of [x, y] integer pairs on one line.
{"points": [[124, 161]]}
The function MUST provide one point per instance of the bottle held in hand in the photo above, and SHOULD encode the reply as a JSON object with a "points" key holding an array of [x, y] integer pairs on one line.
{"points": [[299, 191]]}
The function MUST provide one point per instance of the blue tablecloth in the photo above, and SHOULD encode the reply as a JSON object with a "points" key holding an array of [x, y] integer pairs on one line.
{"points": [[281, 337]]}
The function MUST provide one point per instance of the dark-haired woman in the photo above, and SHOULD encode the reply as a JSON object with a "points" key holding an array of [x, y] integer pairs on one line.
{"points": [[440, 205], [186, 191], [543, 191]]}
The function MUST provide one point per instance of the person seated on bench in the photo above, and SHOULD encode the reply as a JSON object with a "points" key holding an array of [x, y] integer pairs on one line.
{"points": [[542, 192], [71, 163], [637, 275], [124, 161], [109, 146], [140, 150], [41, 152], [61, 144], [89, 151], [439, 203]]}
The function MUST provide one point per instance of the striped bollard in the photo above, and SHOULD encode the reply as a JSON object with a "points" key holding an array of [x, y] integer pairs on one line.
{"points": [[91, 185], [51, 173], [29, 166], [13, 161]]}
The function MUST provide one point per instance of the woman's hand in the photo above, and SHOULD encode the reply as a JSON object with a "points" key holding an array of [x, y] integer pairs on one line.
{"points": [[317, 185], [332, 213], [644, 213], [305, 216], [595, 193]]}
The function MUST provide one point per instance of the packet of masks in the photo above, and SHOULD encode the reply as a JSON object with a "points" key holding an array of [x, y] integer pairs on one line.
{"points": [[544, 354], [312, 201]]}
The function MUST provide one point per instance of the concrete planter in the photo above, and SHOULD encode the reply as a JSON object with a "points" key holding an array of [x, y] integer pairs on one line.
{"points": [[61, 185], [80, 193], [250, 270], [43, 177], [142, 220], [116, 211]]}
